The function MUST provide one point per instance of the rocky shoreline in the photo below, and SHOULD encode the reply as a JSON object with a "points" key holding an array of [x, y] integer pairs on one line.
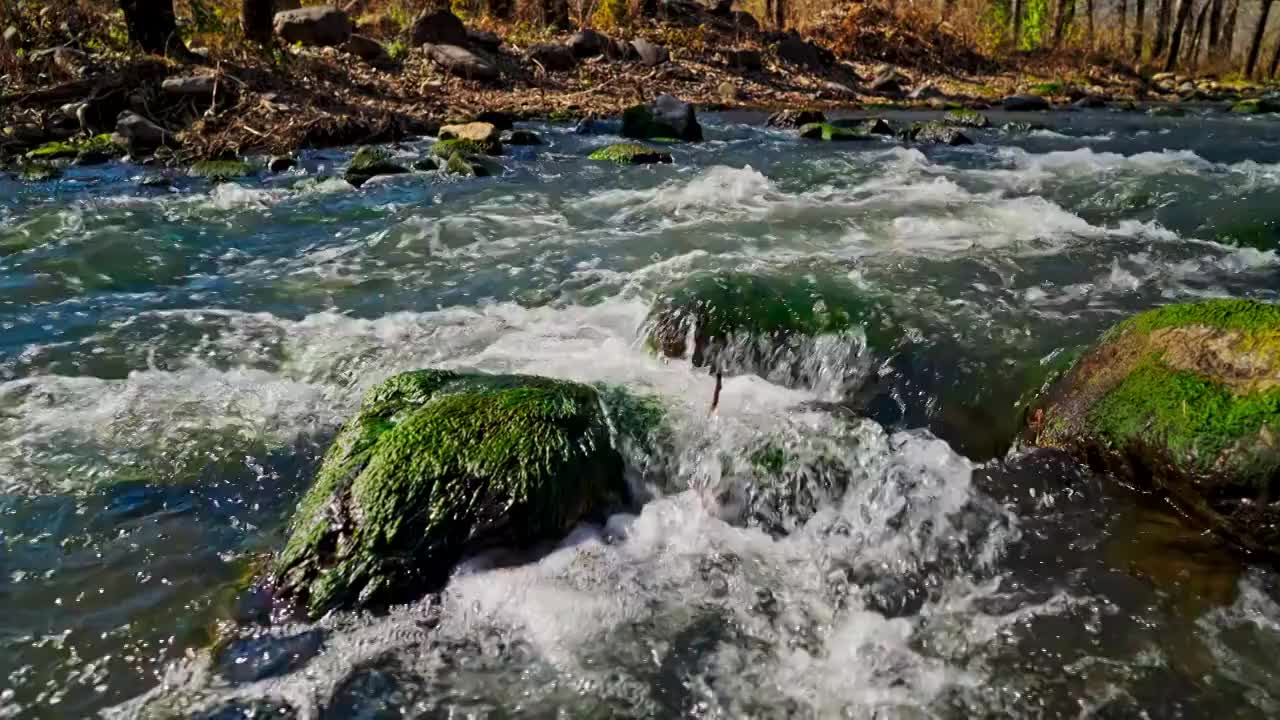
{"points": [[335, 85]]}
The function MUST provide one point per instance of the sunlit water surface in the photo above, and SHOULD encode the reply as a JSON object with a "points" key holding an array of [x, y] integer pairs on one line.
{"points": [[174, 359]]}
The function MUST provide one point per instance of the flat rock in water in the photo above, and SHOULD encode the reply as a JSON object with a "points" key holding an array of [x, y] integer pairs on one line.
{"points": [[552, 58], [1026, 103], [320, 25], [440, 27], [461, 62], [650, 54], [588, 43], [475, 131], [795, 118]]}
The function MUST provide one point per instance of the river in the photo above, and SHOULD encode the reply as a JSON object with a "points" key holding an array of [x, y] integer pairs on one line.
{"points": [[174, 359]]}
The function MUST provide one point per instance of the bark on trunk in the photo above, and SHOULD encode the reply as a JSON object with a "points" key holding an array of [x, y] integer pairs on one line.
{"points": [[1228, 38], [1124, 22], [1197, 37], [1016, 20], [1275, 60], [1215, 22], [153, 27], [1256, 44], [1179, 26], [1163, 14], [1066, 13], [780, 14], [255, 18], [1088, 6], [1138, 23]]}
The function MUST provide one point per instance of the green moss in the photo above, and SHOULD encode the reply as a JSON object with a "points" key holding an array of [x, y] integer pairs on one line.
{"points": [[1255, 106], [369, 162], [1249, 316], [38, 171], [436, 463], [1195, 419], [54, 151], [831, 133], [458, 164], [97, 145], [221, 170], [630, 154], [966, 118], [1053, 87], [446, 148]]}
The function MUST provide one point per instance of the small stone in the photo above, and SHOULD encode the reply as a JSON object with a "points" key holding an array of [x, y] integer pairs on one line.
{"points": [[795, 118], [280, 163], [728, 92], [425, 165], [457, 164], [521, 137], [366, 48], [1026, 103], [937, 133], [370, 162], [650, 54], [460, 62], [320, 25], [440, 27], [138, 133]]}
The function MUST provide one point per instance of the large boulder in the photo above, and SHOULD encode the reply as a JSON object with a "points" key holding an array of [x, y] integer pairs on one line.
{"points": [[461, 62], [317, 25], [437, 465], [793, 329], [667, 117], [1184, 400], [439, 27]]}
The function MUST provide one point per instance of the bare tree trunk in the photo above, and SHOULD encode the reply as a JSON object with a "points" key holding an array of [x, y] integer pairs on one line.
{"points": [[1089, 9], [1179, 26], [1227, 45], [1017, 23], [1215, 22], [1256, 44], [1275, 60], [1066, 13], [255, 18], [780, 14], [1193, 54], [1124, 22], [153, 27], [1163, 14], [1138, 23]]}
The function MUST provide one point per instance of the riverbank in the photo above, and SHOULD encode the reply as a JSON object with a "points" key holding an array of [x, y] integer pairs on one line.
{"points": [[372, 89]]}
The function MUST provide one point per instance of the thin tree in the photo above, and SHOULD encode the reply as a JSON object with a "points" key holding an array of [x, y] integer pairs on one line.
{"points": [[1124, 21], [1016, 23], [1163, 14], [1197, 35], [1215, 22], [780, 14], [1088, 8], [255, 18], [1138, 23], [153, 27], [1066, 14], [1256, 44], [1227, 44], [1179, 26]]}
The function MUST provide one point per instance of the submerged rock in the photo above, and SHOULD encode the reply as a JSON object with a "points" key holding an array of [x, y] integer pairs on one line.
{"points": [[280, 163], [438, 464], [630, 154], [666, 117], [38, 171], [795, 330], [521, 137], [1186, 399], [221, 170], [966, 118], [829, 133], [1026, 103], [369, 162], [1256, 106], [937, 133]]}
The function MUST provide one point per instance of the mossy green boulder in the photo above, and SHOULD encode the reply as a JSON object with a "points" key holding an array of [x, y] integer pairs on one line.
{"points": [[459, 164], [1185, 399], [38, 171], [795, 329], [1256, 106], [83, 150], [446, 148], [370, 162], [438, 464], [630, 154], [832, 133], [221, 170], [965, 117]]}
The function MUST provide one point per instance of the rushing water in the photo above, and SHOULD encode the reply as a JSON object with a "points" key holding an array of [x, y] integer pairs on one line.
{"points": [[173, 360]]}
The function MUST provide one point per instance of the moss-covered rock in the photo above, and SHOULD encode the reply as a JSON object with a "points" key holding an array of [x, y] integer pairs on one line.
{"points": [[1187, 399], [370, 162], [89, 149], [965, 117], [666, 117], [1255, 106], [866, 126], [438, 464], [459, 164], [630, 154], [221, 170], [800, 330], [832, 133], [38, 171], [446, 148], [936, 133]]}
